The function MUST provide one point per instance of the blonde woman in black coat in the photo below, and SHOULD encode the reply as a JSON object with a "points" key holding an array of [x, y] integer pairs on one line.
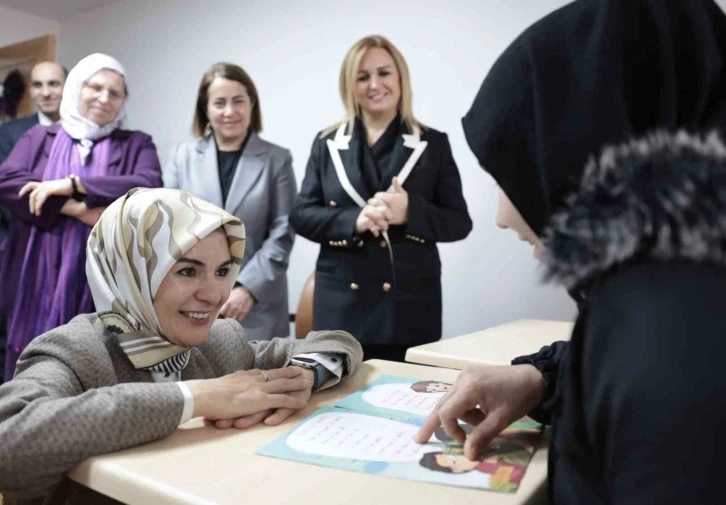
{"points": [[380, 191]]}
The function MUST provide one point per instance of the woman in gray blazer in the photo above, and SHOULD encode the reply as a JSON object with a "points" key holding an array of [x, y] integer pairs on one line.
{"points": [[230, 166], [160, 264]]}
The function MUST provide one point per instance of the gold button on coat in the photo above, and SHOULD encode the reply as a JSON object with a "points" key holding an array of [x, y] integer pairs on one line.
{"points": [[383, 243], [386, 286], [354, 286]]}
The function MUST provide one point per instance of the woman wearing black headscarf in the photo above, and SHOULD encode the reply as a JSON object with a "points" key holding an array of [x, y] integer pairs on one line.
{"points": [[636, 399]]}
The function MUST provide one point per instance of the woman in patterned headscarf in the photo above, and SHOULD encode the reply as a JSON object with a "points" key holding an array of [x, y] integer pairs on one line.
{"points": [[160, 264]]}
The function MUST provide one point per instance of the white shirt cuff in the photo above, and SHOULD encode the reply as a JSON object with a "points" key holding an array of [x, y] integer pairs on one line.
{"points": [[332, 362], [188, 403]]}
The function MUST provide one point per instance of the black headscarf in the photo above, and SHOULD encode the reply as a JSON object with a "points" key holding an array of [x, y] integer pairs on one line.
{"points": [[595, 72]]}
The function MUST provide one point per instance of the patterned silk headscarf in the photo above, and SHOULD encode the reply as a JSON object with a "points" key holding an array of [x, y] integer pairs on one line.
{"points": [[131, 249]]}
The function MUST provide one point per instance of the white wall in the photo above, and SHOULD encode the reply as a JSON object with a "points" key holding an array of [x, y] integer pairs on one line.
{"points": [[293, 49], [18, 26]]}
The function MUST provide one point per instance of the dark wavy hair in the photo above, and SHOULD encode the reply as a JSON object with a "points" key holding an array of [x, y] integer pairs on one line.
{"points": [[233, 73]]}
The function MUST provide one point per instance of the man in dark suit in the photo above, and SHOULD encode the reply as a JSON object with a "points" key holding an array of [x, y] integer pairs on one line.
{"points": [[46, 90]]}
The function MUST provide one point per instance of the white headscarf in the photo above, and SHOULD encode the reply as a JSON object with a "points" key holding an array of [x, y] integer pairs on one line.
{"points": [[78, 127]]}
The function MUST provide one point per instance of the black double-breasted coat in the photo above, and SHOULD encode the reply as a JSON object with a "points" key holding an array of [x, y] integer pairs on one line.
{"points": [[382, 291]]}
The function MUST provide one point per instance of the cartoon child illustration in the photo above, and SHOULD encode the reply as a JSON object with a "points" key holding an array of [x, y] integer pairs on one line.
{"points": [[419, 398], [505, 459], [430, 387], [447, 462]]}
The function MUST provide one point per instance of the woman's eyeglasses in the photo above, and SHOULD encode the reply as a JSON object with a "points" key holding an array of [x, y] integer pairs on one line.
{"points": [[96, 91]]}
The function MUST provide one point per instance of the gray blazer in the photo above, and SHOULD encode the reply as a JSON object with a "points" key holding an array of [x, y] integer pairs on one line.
{"points": [[76, 395], [261, 194]]}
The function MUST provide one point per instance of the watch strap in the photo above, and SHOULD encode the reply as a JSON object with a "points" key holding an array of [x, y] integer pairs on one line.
{"points": [[319, 374], [318, 369], [76, 195]]}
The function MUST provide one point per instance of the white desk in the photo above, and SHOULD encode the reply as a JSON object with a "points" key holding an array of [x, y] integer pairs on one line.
{"points": [[493, 346], [203, 465]]}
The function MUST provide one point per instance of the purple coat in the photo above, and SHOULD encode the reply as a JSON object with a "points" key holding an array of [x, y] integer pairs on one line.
{"points": [[132, 163]]}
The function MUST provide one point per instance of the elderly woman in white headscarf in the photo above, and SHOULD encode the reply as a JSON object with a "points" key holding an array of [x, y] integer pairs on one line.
{"points": [[57, 181], [161, 264]]}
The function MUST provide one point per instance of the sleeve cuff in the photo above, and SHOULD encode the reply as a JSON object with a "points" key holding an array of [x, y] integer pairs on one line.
{"points": [[332, 362], [188, 403], [417, 218], [547, 362]]}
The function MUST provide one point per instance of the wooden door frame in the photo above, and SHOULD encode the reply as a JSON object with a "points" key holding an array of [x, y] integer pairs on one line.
{"points": [[30, 51]]}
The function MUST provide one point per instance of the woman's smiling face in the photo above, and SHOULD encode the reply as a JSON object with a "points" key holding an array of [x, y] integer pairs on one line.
{"points": [[194, 290], [378, 85], [102, 96]]}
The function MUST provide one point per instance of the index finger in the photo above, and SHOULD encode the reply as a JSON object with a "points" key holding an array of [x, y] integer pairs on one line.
{"points": [[429, 427], [460, 404], [289, 372], [30, 186], [299, 383], [373, 213]]}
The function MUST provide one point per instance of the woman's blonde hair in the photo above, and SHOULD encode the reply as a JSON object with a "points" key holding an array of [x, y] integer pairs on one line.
{"points": [[349, 78]]}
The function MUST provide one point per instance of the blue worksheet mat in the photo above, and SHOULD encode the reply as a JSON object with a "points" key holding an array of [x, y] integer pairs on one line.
{"points": [[371, 431]]}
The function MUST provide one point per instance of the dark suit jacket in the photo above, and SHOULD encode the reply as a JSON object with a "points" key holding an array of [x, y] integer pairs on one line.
{"points": [[10, 133], [357, 288], [132, 162]]}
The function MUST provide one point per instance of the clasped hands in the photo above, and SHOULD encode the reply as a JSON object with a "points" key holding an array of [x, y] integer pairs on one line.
{"points": [[384, 209], [238, 305], [249, 397]]}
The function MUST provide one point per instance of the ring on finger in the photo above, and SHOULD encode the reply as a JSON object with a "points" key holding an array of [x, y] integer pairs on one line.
{"points": [[265, 376]]}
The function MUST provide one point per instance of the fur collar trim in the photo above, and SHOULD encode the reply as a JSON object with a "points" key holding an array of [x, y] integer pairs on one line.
{"points": [[662, 197]]}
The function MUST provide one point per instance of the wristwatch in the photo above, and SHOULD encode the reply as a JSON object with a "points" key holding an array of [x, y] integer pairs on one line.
{"points": [[76, 195], [319, 371]]}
